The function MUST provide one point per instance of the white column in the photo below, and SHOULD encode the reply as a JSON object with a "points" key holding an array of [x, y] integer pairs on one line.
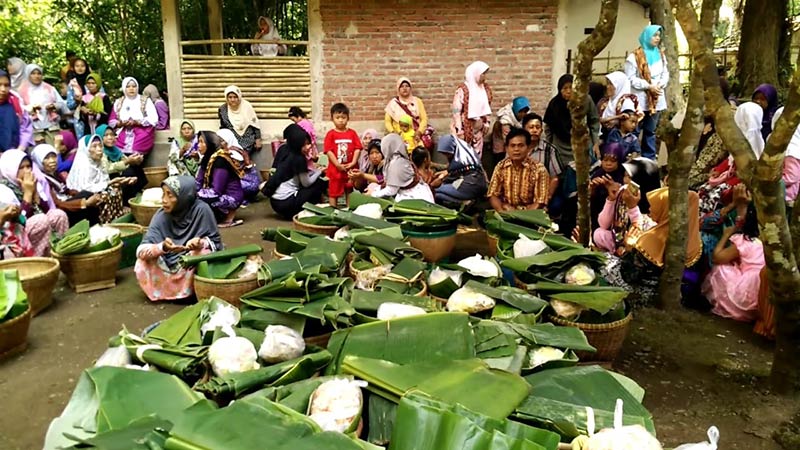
{"points": [[170, 21]]}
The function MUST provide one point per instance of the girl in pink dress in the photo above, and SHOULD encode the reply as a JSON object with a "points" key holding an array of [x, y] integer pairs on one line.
{"points": [[733, 284]]}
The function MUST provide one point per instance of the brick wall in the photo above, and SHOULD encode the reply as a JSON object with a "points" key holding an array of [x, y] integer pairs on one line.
{"points": [[368, 44]]}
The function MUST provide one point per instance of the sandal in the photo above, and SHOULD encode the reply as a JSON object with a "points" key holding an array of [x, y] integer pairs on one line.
{"points": [[231, 224]]}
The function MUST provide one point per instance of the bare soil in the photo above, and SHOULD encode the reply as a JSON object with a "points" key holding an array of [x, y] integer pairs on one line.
{"points": [[698, 370]]}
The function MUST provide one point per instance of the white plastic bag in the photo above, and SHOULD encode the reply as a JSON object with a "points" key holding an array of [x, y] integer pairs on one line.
{"points": [[221, 315], [281, 343], [479, 267], [632, 437], [713, 440], [390, 311], [371, 210], [469, 301], [342, 233], [366, 279], [336, 404], [524, 246], [232, 355], [438, 275], [114, 357]]}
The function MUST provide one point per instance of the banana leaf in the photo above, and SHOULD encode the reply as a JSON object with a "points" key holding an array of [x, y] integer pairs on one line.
{"points": [[235, 385], [507, 230], [534, 218], [320, 251], [550, 288], [295, 395], [554, 262], [368, 302], [221, 255], [320, 220], [570, 359], [422, 208], [260, 319], [182, 329], [75, 240], [434, 337], [559, 399], [186, 362], [110, 398], [381, 417], [512, 296], [287, 240], [13, 300], [356, 221], [600, 301], [512, 363], [357, 199], [221, 270], [423, 421], [536, 335], [397, 248], [147, 433], [469, 382]]}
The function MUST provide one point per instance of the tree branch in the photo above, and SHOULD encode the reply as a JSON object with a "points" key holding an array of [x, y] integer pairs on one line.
{"points": [[587, 50]]}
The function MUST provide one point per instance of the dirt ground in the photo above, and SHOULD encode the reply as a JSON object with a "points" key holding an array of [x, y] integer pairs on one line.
{"points": [[698, 370]]}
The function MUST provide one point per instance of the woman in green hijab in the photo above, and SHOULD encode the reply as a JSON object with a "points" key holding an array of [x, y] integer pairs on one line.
{"points": [[183, 156]]}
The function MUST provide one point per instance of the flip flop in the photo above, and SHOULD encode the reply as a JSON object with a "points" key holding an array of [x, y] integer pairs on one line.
{"points": [[231, 224]]}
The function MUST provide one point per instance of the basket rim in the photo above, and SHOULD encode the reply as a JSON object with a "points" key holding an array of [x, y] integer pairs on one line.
{"points": [[133, 204], [296, 221], [126, 225], [278, 254], [228, 281], [34, 259], [451, 232], [92, 255], [594, 326], [19, 318], [155, 169]]}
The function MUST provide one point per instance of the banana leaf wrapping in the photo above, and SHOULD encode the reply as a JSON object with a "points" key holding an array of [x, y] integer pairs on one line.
{"points": [[221, 255], [260, 319], [187, 362], [75, 240], [295, 395], [147, 433], [235, 385], [488, 336], [532, 218], [503, 229], [559, 399], [355, 221], [422, 420], [368, 302], [552, 265], [357, 199], [396, 249], [13, 300], [416, 214], [287, 240], [326, 254], [512, 301], [221, 270], [182, 329]]}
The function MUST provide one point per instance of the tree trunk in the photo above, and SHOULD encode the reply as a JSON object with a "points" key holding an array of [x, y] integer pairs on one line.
{"points": [[661, 14], [785, 67], [587, 50], [757, 60], [784, 279]]}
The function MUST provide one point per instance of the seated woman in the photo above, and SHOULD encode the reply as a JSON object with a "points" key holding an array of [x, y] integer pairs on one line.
{"points": [[518, 182], [183, 225], [267, 32], [77, 205], [118, 165], [33, 193], [373, 175], [369, 135], [219, 180], [251, 178], [401, 180], [134, 117], [464, 179], [732, 286], [183, 158], [88, 176], [162, 109], [292, 184], [238, 115], [14, 242], [609, 171], [43, 103], [67, 146]]}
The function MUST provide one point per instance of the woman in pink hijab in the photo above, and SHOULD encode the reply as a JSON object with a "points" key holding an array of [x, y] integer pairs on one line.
{"points": [[472, 108]]}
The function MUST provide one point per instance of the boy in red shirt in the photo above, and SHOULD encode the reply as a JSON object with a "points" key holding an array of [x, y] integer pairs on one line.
{"points": [[343, 147]]}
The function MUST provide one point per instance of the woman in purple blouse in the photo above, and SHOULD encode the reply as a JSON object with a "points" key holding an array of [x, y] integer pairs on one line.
{"points": [[219, 179]]}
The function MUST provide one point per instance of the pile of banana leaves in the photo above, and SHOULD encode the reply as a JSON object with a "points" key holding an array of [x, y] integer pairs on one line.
{"points": [[77, 239], [13, 300], [223, 264]]}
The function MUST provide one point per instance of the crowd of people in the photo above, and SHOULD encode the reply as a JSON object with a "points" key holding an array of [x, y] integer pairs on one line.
{"points": [[86, 152]]}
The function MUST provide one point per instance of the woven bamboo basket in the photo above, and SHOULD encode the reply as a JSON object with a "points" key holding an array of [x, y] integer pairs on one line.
{"points": [[277, 255], [131, 235], [228, 290], [91, 271], [38, 276], [143, 213], [155, 176], [435, 246], [492, 241], [320, 341], [354, 275], [327, 230], [607, 338], [14, 335]]}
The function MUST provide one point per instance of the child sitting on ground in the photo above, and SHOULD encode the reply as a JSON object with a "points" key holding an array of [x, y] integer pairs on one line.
{"points": [[408, 134], [343, 148], [625, 131], [427, 176]]}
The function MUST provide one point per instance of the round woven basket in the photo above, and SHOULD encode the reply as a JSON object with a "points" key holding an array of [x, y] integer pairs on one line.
{"points": [[607, 338], [131, 235], [143, 213], [434, 245], [38, 276], [155, 175], [91, 271], [277, 255], [265, 173], [492, 241], [354, 275], [14, 335], [327, 230], [228, 290]]}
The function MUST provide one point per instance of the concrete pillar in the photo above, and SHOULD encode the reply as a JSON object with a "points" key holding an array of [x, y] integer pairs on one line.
{"points": [[315, 37], [170, 20], [215, 25]]}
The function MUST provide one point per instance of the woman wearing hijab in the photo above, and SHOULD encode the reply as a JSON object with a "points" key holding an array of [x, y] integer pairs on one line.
{"points": [[472, 108], [162, 109], [184, 225], [42, 218], [646, 68], [464, 179], [508, 116], [14, 241], [88, 177], [373, 175], [405, 103], [767, 97], [749, 117], [16, 128], [67, 146], [183, 157], [16, 72], [219, 179], [292, 184], [369, 135], [238, 115], [609, 171], [76, 79], [267, 32], [617, 86], [43, 103], [250, 178], [134, 117], [117, 164], [78, 206], [399, 175], [93, 108]]}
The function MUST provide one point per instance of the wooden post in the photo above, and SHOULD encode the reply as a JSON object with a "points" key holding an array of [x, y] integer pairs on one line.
{"points": [[170, 21], [215, 25]]}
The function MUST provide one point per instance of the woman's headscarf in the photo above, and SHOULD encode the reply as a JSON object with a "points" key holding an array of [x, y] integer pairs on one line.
{"points": [[398, 171], [478, 99], [40, 153], [395, 108], [113, 153], [10, 161], [242, 117], [622, 86], [653, 242], [188, 220], [748, 118], [462, 152], [229, 138], [181, 141], [16, 71], [364, 163], [151, 91], [645, 173], [652, 52], [271, 35], [557, 116], [289, 160], [131, 106], [771, 94], [94, 102], [69, 141], [87, 174], [793, 149]]}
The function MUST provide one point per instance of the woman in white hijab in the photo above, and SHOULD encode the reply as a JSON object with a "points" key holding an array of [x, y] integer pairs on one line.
{"points": [[238, 115], [617, 86], [748, 118], [134, 117], [791, 163], [43, 103], [472, 108], [267, 32], [16, 71], [400, 177]]}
